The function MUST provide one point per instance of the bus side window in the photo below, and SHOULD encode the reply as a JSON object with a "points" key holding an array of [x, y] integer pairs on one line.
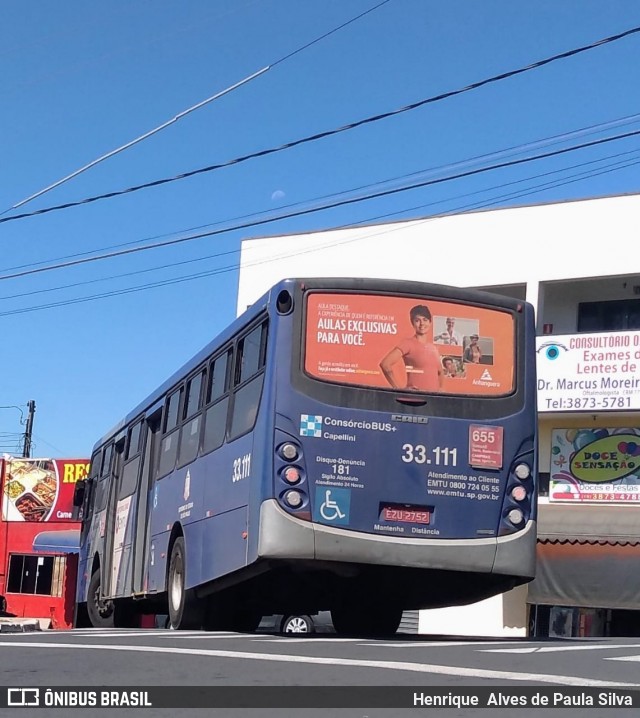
{"points": [[192, 418], [129, 480], [133, 440], [249, 376], [217, 395], [130, 470], [106, 460], [94, 469], [169, 443], [101, 492]]}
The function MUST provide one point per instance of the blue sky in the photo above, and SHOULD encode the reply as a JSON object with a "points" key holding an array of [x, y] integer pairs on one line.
{"points": [[81, 79]]}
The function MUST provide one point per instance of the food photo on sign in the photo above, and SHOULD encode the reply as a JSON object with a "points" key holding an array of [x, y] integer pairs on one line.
{"points": [[30, 489], [40, 490]]}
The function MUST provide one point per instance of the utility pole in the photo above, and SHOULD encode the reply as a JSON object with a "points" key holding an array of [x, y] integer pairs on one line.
{"points": [[26, 449]]}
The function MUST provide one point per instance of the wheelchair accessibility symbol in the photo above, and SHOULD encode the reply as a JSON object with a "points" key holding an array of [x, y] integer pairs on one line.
{"points": [[332, 505]]}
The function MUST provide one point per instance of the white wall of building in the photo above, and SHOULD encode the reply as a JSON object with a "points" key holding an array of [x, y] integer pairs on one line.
{"points": [[503, 615], [540, 243]]}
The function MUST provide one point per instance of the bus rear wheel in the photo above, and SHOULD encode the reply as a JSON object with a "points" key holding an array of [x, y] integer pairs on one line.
{"points": [[366, 621], [185, 608], [101, 611]]}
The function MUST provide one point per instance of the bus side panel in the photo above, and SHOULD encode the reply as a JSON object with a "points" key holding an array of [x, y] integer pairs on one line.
{"points": [[177, 499], [193, 539], [228, 533], [158, 560], [201, 498], [227, 475]]}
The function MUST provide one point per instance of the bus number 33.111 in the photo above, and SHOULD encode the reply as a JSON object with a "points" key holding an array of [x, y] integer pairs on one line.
{"points": [[241, 468], [419, 454]]}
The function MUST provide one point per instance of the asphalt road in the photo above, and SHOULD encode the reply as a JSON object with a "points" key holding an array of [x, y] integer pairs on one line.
{"points": [[90, 659]]}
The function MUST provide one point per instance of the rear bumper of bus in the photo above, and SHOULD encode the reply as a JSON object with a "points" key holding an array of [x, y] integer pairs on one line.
{"points": [[285, 537]]}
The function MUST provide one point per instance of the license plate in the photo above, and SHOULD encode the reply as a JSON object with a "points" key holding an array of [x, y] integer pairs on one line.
{"points": [[405, 515]]}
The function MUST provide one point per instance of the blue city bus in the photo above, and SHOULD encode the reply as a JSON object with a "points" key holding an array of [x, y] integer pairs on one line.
{"points": [[354, 445]]}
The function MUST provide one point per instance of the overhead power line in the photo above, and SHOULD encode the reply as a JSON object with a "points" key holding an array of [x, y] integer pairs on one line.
{"points": [[510, 151], [326, 206], [329, 133], [234, 267], [191, 109], [631, 159], [139, 139]]}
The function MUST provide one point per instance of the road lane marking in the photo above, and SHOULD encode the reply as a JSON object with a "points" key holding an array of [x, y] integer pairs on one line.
{"points": [[334, 661], [441, 644], [636, 659], [558, 649], [105, 633], [307, 639]]}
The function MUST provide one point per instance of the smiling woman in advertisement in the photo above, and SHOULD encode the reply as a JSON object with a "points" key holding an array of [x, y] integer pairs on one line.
{"points": [[421, 358]]}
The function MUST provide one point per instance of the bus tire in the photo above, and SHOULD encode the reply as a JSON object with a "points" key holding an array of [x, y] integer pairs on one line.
{"points": [[185, 608], [101, 612], [366, 622]]}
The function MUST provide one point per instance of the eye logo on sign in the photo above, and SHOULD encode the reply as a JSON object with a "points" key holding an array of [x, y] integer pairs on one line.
{"points": [[552, 350], [310, 425]]}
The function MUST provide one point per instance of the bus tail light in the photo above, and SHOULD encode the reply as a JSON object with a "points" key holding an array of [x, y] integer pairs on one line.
{"points": [[291, 475], [289, 452], [515, 516], [522, 472], [293, 499], [518, 493]]}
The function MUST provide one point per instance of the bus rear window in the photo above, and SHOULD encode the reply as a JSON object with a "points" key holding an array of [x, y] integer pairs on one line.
{"points": [[409, 344]]}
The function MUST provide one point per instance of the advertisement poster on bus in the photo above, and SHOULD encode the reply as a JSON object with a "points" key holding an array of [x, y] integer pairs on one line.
{"points": [[40, 489], [409, 344], [589, 372], [596, 465]]}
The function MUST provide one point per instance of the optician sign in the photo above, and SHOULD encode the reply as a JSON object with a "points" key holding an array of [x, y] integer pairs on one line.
{"points": [[589, 372], [601, 465]]}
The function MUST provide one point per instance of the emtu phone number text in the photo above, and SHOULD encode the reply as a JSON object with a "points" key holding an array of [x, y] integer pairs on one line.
{"points": [[589, 402]]}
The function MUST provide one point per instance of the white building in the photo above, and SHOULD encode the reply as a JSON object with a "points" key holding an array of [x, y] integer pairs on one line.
{"points": [[578, 263]]}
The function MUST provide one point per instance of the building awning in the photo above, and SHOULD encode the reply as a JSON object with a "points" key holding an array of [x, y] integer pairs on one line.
{"points": [[587, 556], [67, 541], [594, 524]]}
